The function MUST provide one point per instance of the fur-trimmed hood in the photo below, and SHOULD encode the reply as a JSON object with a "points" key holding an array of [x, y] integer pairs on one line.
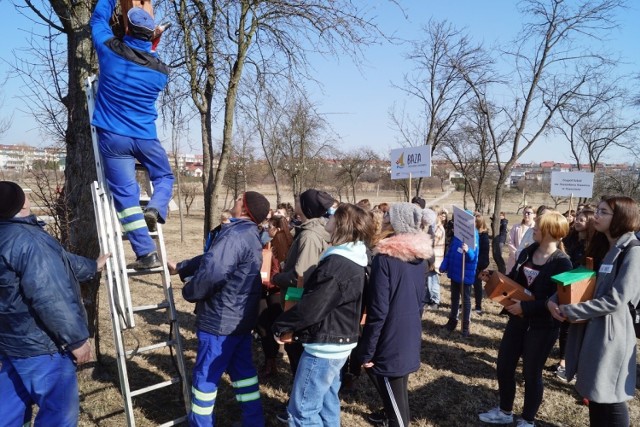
{"points": [[406, 247]]}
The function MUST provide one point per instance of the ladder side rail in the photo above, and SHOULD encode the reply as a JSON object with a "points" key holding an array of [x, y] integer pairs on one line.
{"points": [[175, 327], [122, 288], [113, 300]]}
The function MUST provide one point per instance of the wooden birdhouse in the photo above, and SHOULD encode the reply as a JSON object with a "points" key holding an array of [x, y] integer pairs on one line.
{"points": [[503, 290]]}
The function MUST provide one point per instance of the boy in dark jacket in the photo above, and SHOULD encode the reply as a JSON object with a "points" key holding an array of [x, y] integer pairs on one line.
{"points": [[226, 286], [43, 324]]}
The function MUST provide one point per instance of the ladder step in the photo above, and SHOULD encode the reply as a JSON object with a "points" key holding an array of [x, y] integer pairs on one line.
{"points": [[175, 422], [174, 380], [132, 273], [160, 306], [152, 234], [150, 348]]}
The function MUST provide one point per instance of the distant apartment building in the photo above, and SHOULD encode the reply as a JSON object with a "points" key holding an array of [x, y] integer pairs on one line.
{"points": [[22, 157]]}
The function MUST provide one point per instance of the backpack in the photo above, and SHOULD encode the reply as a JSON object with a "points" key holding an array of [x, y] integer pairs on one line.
{"points": [[633, 310]]}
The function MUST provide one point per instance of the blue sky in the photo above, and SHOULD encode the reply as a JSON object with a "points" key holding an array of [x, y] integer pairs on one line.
{"points": [[356, 101]]}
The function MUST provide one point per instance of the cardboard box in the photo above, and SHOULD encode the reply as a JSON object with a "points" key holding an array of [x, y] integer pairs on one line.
{"points": [[503, 290], [575, 286]]}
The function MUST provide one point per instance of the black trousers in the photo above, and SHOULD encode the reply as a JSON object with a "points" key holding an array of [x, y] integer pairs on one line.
{"points": [[270, 309], [534, 346], [395, 397], [608, 414], [496, 247]]}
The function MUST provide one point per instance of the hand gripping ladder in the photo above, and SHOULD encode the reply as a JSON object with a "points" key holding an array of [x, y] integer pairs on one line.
{"points": [[117, 275]]}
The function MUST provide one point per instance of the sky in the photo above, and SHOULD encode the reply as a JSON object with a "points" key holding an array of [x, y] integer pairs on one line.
{"points": [[356, 98]]}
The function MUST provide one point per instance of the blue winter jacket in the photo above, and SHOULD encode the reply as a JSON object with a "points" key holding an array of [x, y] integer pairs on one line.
{"points": [[41, 309], [226, 285], [131, 78], [452, 262], [392, 335]]}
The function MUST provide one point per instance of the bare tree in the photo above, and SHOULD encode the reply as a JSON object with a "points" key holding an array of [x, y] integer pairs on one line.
{"points": [[303, 137], [274, 39], [552, 63], [593, 123], [174, 114], [353, 165], [470, 152], [266, 112], [67, 73], [438, 84]]}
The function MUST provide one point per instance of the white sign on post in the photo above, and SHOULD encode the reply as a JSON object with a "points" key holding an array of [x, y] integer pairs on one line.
{"points": [[464, 227], [412, 162], [578, 184]]}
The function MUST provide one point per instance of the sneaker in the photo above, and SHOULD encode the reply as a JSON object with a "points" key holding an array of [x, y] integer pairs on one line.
{"points": [[479, 311], [151, 218], [561, 373], [466, 333], [524, 423], [496, 416], [433, 306], [378, 417], [145, 262]]}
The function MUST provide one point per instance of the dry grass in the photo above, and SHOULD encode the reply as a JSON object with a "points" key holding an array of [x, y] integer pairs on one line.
{"points": [[456, 379]]}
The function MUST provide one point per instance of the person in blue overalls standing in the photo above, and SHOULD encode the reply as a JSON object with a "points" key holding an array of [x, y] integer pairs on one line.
{"points": [[131, 78]]}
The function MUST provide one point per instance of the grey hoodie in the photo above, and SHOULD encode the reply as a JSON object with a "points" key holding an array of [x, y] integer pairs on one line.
{"points": [[303, 257]]}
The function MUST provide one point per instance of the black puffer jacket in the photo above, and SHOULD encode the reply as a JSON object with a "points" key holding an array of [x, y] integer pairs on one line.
{"points": [[41, 309], [330, 308]]}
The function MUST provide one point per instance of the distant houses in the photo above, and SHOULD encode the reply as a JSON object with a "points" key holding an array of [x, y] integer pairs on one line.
{"points": [[22, 157]]}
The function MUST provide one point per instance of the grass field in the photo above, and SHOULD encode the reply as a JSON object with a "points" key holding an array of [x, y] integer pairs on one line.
{"points": [[456, 379]]}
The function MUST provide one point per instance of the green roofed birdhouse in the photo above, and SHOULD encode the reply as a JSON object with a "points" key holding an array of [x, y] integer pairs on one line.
{"points": [[575, 286]]}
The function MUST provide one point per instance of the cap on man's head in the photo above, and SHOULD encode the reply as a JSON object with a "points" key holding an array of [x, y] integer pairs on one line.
{"points": [[256, 205], [141, 24], [11, 199], [315, 203]]}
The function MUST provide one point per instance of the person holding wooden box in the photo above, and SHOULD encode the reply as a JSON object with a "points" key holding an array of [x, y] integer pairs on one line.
{"points": [[326, 320], [602, 351], [530, 332]]}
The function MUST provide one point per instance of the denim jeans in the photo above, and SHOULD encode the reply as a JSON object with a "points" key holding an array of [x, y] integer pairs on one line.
{"points": [[314, 399], [48, 381], [433, 288]]}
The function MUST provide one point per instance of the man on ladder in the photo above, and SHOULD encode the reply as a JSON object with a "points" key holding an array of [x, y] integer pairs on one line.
{"points": [[131, 78]]}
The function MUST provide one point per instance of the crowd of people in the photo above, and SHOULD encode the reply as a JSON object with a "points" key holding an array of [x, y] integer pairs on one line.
{"points": [[368, 274], [343, 289]]}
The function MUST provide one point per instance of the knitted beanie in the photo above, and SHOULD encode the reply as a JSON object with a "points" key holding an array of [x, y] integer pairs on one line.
{"points": [[405, 217], [256, 205], [11, 199], [314, 203], [428, 217]]}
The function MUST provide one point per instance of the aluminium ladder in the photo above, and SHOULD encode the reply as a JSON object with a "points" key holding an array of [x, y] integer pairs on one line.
{"points": [[117, 275]]}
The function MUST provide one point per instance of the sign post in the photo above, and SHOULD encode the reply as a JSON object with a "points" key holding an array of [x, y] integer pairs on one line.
{"points": [[411, 162], [579, 184]]}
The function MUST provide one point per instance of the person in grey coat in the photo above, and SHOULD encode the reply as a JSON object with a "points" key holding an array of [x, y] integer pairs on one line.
{"points": [[602, 351]]}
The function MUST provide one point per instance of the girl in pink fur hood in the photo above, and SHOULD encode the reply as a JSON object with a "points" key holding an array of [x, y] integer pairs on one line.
{"points": [[391, 338]]}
